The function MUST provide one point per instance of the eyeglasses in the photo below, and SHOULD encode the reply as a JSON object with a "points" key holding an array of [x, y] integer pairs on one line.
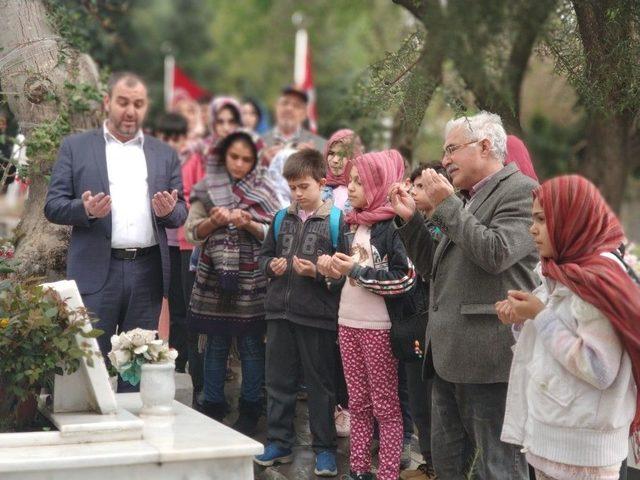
{"points": [[451, 149]]}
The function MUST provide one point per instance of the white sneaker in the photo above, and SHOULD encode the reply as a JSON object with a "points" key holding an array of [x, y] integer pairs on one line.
{"points": [[343, 422]]}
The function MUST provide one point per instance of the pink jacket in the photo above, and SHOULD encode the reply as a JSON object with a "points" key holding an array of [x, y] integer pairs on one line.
{"points": [[192, 173]]}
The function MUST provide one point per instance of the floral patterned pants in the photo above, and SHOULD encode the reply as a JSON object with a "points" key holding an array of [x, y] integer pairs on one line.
{"points": [[371, 372]]}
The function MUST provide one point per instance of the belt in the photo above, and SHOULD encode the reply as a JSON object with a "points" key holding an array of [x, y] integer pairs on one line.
{"points": [[131, 253]]}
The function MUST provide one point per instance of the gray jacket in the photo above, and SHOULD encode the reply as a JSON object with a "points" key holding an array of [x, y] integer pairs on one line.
{"points": [[486, 251], [273, 137]]}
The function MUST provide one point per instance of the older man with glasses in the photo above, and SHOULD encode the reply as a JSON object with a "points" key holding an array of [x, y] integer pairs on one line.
{"points": [[485, 252]]}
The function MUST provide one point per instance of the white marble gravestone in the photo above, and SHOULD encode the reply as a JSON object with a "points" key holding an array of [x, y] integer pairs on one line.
{"points": [[88, 389], [100, 435]]}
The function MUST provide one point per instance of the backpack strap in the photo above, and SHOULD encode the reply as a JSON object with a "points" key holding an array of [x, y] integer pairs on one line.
{"points": [[334, 226], [627, 267], [277, 222]]}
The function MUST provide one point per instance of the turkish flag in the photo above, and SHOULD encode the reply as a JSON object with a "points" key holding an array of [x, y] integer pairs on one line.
{"points": [[178, 84], [181, 82], [303, 76]]}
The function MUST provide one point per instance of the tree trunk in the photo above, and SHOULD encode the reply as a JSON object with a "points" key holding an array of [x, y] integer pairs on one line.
{"points": [[35, 65], [604, 27], [607, 160]]}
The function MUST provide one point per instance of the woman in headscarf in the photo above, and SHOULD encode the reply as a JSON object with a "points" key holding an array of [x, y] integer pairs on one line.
{"points": [[231, 209], [339, 152], [225, 119], [572, 400], [518, 153]]}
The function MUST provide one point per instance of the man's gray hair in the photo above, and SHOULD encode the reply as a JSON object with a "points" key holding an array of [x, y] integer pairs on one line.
{"points": [[483, 125]]}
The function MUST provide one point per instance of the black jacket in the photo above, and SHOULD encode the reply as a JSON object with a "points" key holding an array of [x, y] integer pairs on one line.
{"points": [[300, 299], [393, 275]]}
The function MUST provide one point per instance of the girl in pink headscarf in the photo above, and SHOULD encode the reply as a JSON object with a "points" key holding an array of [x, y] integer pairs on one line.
{"points": [[379, 279], [339, 151]]}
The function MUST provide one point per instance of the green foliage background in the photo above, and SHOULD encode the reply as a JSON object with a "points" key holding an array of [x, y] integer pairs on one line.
{"points": [[243, 48]]}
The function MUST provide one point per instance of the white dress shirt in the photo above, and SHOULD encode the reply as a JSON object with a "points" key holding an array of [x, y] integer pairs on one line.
{"points": [[131, 222]]}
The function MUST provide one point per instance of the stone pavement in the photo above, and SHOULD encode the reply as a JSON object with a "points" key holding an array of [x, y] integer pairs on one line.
{"points": [[304, 459]]}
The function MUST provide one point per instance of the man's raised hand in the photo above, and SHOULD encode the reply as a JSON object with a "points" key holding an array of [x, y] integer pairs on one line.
{"points": [[96, 206], [164, 202], [436, 187]]}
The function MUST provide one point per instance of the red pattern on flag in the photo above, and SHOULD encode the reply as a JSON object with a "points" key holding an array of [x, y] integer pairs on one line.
{"points": [[304, 76], [181, 82]]}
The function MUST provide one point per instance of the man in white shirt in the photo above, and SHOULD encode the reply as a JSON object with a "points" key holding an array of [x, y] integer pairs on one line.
{"points": [[119, 189]]}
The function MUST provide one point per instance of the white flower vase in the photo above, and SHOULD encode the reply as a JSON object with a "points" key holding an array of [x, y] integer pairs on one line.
{"points": [[157, 388]]}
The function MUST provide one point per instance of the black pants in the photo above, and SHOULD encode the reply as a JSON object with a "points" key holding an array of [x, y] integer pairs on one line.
{"points": [[420, 403], [196, 360], [405, 407], [465, 433], [130, 298], [177, 310], [289, 346]]}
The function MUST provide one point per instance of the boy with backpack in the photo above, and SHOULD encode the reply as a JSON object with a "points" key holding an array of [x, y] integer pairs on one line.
{"points": [[302, 311]]}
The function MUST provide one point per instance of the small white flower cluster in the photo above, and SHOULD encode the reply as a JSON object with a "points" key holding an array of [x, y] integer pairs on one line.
{"points": [[141, 346]]}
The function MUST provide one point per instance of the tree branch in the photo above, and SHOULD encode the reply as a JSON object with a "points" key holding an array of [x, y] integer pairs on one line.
{"points": [[534, 16]]}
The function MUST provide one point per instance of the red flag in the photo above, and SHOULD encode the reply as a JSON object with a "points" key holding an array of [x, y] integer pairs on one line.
{"points": [[303, 75], [177, 83]]}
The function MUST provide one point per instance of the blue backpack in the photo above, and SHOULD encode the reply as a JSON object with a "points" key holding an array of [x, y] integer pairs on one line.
{"points": [[334, 224]]}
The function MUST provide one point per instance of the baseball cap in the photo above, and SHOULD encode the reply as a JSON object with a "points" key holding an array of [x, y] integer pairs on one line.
{"points": [[293, 90]]}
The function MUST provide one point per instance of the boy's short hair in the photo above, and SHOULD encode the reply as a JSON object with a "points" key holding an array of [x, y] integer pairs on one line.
{"points": [[305, 162], [437, 166], [172, 125]]}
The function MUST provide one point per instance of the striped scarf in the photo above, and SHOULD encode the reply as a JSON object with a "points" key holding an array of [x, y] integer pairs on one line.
{"points": [[255, 194]]}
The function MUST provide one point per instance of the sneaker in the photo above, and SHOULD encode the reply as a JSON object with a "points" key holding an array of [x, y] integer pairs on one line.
{"points": [[360, 476], [424, 471], [274, 454], [326, 464], [343, 422]]}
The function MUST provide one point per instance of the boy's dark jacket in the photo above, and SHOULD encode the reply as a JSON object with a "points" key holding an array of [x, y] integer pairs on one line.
{"points": [[301, 299], [315, 303]]}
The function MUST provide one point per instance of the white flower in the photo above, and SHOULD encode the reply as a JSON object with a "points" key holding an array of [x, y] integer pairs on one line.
{"points": [[156, 347], [120, 359], [141, 349], [115, 342], [172, 354], [125, 341], [141, 337]]}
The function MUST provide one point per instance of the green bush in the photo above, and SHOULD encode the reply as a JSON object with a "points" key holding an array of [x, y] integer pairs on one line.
{"points": [[37, 340]]}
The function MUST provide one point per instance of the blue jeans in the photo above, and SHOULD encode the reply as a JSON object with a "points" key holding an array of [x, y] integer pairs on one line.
{"points": [[251, 348]]}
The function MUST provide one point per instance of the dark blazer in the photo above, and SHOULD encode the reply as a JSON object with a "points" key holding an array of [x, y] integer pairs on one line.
{"points": [[82, 166], [487, 250]]}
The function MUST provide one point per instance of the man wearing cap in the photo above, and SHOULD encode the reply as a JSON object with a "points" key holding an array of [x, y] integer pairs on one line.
{"points": [[291, 112]]}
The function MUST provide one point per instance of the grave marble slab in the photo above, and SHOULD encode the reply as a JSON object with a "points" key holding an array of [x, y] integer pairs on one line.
{"points": [[184, 446]]}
